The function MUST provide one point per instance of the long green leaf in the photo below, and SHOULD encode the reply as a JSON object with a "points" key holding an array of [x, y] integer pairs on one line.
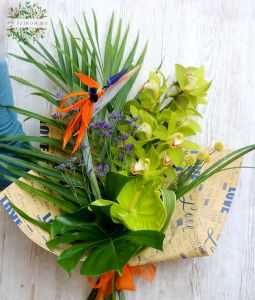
{"points": [[215, 168], [43, 225], [35, 116], [30, 152], [108, 59], [60, 56], [120, 53], [92, 42], [57, 188], [47, 171], [64, 205], [69, 70], [120, 99]]}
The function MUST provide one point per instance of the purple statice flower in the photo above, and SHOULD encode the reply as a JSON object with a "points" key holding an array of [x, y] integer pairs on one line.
{"points": [[129, 121], [106, 168], [128, 147], [55, 115], [102, 170], [135, 126], [60, 167], [121, 138], [106, 133], [68, 164], [71, 160], [114, 117], [100, 125], [129, 153], [120, 157], [59, 96], [99, 168]]}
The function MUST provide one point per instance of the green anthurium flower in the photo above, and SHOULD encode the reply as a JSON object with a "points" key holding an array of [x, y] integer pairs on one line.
{"points": [[139, 206]]}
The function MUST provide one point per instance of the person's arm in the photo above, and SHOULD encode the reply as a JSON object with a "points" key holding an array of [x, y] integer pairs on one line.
{"points": [[9, 125]]}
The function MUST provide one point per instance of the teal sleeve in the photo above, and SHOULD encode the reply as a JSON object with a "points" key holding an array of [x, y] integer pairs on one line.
{"points": [[9, 125]]}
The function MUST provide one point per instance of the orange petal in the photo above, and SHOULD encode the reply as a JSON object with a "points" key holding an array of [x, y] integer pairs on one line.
{"points": [[87, 80], [71, 127], [146, 272], [72, 95], [87, 111], [80, 136], [76, 105], [125, 280], [104, 279]]}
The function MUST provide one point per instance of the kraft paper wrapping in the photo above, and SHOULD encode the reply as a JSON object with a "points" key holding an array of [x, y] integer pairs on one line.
{"points": [[194, 229]]}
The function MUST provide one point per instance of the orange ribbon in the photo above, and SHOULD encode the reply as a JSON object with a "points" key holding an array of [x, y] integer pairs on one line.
{"points": [[123, 282]]}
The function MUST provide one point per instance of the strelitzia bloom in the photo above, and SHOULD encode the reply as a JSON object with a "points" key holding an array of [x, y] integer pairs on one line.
{"points": [[140, 166]]}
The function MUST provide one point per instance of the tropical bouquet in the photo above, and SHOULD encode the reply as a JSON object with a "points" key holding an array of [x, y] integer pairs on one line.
{"points": [[119, 164]]}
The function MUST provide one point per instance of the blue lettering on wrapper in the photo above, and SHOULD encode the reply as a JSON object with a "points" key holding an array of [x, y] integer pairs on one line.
{"points": [[46, 218], [11, 212], [229, 198]]}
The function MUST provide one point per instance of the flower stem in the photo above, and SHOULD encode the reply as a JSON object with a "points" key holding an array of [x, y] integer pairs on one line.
{"points": [[87, 158]]}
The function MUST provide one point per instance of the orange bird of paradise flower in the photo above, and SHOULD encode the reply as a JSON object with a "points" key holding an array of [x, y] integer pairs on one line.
{"points": [[80, 122]]}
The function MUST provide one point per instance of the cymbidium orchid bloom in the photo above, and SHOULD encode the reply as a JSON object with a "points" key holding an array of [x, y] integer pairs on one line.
{"points": [[146, 128], [140, 166], [167, 159], [192, 81], [177, 140]]}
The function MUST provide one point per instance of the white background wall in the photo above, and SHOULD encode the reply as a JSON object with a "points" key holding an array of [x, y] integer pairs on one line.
{"points": [[218, 34]]}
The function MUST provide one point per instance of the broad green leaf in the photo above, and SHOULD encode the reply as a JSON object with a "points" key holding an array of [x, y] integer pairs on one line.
{"points": [[114, 184], [81, 220], [71, 237], [109, 255], [70, 257], [148, 238]]}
